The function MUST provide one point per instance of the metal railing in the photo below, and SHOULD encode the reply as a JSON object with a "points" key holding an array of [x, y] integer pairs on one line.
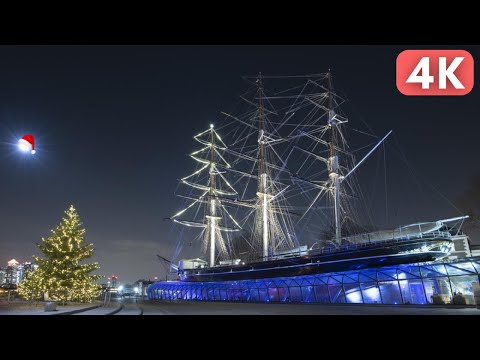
{"points": [[393, 239]]}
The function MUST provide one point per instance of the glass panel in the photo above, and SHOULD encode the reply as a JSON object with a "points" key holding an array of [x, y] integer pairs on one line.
{"points": [[263, 294], [334, 279], [301, 281], [350, 278], [353, 293], [429, 285], [261, 284], [440, 268], [413, 292], [273, 294], [321, 294], [411, 271], [295, 293], [291, 282], [308, 294], [387, 275], [244, 284], [281, 283], [433, 270], [307, 281], [246, 295], [237, 295], [367, 277], [223, 295], [438, 290], [336, 293], [321, 280], [457, 270], [468, 266], [210, 295], [390, 292], [193, 293], [476, 265], [462, 289], [198, 293], [442, 286], [254, 295], [284, 294], [371, 294]]}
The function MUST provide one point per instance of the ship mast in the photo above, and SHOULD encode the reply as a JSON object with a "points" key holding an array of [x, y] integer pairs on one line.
{"points": [[262, 168], [333, 164], [217, 189], [272, 229], [212, 218], [314, 135]]}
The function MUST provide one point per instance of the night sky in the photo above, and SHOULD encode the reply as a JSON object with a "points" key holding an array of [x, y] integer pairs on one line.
{"points": [[113, 125]]}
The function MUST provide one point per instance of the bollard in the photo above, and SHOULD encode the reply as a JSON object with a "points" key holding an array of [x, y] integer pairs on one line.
{"points": [[50, 306]]}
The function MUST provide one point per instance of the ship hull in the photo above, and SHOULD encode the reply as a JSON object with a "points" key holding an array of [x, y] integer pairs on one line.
{"points": [[418, 250]]}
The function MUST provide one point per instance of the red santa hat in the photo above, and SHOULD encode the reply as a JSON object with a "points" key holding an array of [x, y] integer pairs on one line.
{"points": [[28, 143]]}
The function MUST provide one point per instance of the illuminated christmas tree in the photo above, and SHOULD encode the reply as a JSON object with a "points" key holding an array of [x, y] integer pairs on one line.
{"points": [[60, 275]]}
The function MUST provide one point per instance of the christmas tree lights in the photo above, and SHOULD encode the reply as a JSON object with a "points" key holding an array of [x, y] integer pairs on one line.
{"points": [[60, 275]]}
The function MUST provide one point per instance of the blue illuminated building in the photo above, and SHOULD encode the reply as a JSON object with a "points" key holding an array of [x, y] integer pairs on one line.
{"points": [[421, 283]]}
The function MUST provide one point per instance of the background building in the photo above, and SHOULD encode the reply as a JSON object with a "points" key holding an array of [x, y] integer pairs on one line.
{"points": [[15, 272]]}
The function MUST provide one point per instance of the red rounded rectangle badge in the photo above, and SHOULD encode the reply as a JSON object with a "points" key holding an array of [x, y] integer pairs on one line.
{"points": [[435, 72]]}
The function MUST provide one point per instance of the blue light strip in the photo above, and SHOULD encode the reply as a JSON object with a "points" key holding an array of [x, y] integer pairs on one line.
{"points": [[388, 285]]}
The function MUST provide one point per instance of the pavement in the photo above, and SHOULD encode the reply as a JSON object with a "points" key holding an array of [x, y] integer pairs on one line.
{"points": [[15, 308], [125, 307], [130, 308], [110, 309], [137, 307]]}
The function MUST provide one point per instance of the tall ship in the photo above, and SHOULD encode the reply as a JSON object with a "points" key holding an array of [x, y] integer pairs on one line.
{"points": [[276, 194]]}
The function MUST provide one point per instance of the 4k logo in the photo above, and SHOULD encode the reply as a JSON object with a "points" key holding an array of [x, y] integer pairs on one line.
{"points": [[435, 72]]}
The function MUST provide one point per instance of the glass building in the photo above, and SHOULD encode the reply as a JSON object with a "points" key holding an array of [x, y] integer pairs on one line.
{"points": [[449, 282]]}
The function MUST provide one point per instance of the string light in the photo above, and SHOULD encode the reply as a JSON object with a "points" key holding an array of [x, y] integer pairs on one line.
{"points": [[60, 276], [211, 157]]}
